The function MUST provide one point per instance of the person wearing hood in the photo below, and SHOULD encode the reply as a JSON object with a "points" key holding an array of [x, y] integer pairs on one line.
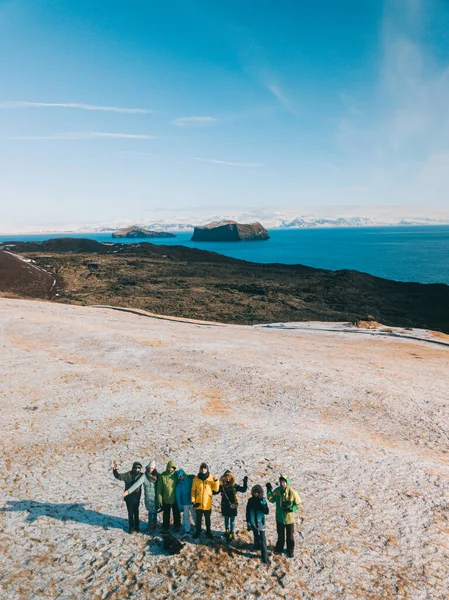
{"points": [[184, 498], [256, 509], [229, 500], [149, 483], [133, 499], [203, 487], [166, 497], [287, 503]]}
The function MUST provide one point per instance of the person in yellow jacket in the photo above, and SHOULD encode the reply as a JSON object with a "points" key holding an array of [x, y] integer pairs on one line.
{"points": [[203, 487]]}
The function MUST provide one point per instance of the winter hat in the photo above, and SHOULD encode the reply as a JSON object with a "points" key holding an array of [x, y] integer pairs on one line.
{"points": [[137, 465], [257, 488], [203, 465], [151, 465]]}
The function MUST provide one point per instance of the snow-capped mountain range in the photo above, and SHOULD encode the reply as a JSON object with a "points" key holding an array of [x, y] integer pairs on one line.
{"points": [[269, 219], [272, 220]]}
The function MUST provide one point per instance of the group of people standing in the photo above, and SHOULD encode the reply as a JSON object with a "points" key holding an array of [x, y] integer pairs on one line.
{"points": [[174, 492]]}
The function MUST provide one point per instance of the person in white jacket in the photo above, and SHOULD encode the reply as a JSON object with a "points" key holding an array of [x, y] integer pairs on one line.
{"points": [[149, 482]]}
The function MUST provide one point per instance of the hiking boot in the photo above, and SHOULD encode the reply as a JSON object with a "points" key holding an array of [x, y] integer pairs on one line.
{"points": [[209, 534], [227, 534], [231, 536], [196, 534], [289, 554], [266, 561]]}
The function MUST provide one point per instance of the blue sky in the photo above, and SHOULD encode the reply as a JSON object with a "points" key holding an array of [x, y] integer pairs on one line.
{"points": [[139, 110]]}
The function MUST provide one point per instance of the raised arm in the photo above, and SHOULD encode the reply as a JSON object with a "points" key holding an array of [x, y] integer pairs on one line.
{"points": [[264, 506], [271, 495], [117, 475], [242, 488]]}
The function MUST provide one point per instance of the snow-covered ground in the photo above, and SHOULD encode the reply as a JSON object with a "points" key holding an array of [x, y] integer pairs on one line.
{"points": [[360, 422]]}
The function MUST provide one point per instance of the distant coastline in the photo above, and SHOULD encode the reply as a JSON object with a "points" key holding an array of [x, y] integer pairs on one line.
{"points": [[402, 253]]}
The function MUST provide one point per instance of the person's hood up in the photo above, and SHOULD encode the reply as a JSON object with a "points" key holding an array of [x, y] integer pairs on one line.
{"points": [[286, 478], [136, 465], [227, 478], [257, 488], [203, 476], [171, 463], [181, 472]]}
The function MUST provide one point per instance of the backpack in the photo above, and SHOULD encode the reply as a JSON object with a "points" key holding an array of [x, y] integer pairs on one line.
{"points": [[172, 545]]}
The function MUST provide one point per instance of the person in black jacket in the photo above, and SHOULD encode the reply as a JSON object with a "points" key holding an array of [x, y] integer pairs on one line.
{"points": [[132, 500], [256, 509], [229, 500]]}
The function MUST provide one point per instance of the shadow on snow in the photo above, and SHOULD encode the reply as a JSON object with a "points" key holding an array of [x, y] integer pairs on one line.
{"points": [[65, 512]]}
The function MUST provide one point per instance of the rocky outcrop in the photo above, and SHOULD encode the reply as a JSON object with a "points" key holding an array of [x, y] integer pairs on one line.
{"points": [[230, 231], [140, 232]]}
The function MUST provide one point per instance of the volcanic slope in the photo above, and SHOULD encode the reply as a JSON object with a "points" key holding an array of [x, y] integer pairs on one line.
{"points": [[360, 422], [187, 282]]}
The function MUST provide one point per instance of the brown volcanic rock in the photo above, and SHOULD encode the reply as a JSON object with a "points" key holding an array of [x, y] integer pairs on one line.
{"points": [[230, 231], [140, 232], [22, 277]]}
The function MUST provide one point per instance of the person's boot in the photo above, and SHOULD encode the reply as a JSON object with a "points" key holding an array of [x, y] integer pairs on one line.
{"points": [[227, 533], [231, 536], [209, 534], [197, 534], [290, 553], [278, 549]]}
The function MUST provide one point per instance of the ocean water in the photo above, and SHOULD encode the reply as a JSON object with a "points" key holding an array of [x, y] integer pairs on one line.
{"points": [[402, 253]]}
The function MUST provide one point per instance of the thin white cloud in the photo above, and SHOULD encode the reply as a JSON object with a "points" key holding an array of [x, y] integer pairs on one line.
{"points": [[85, 135], [228, 163], [193, 121], [76, 105], [286, 103]]}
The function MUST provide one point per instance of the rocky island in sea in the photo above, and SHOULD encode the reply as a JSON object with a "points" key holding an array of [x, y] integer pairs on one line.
{"points": [[230, 231], [139, 232]]}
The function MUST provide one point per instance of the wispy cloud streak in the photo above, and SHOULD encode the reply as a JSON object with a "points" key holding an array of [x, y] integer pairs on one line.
{"points": [[286, 103], [228, 163], [85, 135], [75, 105], [193, 121]]}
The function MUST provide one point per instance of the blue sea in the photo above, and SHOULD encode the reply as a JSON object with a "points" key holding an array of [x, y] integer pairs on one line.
{"points": [[403, 253]]}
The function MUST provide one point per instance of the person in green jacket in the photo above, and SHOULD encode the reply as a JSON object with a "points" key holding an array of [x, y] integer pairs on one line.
{"points": [[166, 497], [287, 503]]}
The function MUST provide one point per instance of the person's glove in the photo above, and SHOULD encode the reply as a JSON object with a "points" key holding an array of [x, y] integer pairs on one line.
{"points": [[249, 527], [269, 487], [160, 508], [245, 480], [197, 505]]}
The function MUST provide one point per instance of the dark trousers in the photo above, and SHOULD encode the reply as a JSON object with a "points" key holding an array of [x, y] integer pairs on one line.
{"points": [[284, 531], [166, 516], [133, 515], [260, 542], [199, 519]]}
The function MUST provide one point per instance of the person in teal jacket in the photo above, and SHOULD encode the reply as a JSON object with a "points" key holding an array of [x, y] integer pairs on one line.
{"points": [[184, 499], [287, 503], [166, 497]]}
